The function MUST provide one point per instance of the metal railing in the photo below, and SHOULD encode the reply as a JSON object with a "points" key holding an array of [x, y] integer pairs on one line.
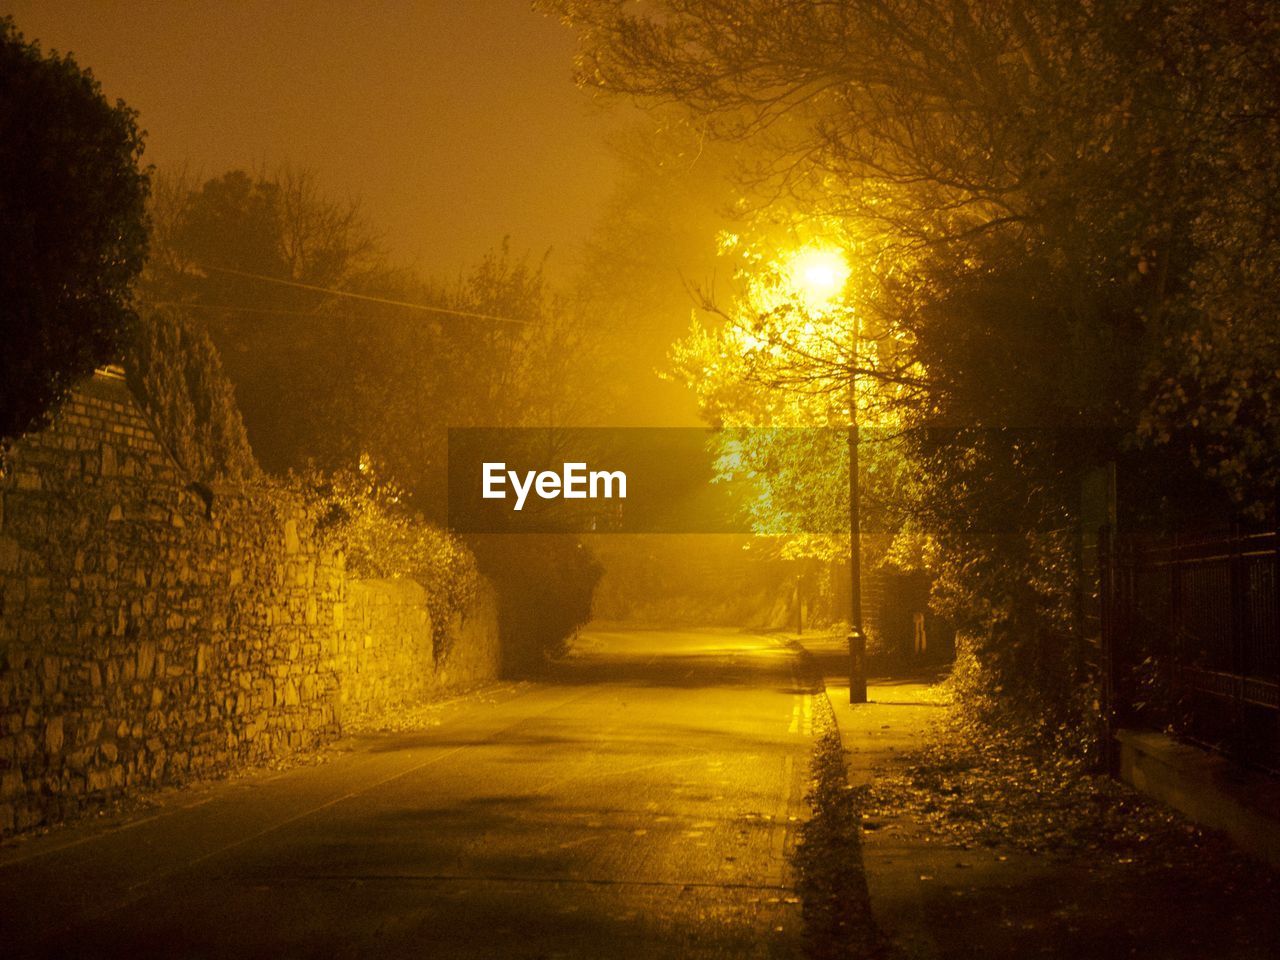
{"points": [[1191, 638]]}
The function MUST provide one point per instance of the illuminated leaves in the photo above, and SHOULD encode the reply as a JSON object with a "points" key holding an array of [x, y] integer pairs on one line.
{"points": [[1067, 227], [364, 515]]}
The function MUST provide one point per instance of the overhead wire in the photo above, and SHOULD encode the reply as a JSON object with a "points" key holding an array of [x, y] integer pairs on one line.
{"points": [[264, 311], [333, 292]]}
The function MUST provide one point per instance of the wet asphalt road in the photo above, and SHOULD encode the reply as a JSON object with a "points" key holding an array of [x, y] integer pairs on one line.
{"points": [[641, 802]]}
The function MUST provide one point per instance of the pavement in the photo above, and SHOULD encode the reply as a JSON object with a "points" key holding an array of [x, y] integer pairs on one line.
{"points": [[641, 801], [932, 898]]}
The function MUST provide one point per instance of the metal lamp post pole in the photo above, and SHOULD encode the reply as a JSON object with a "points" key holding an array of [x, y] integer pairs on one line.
{"points": [[857, 639]]}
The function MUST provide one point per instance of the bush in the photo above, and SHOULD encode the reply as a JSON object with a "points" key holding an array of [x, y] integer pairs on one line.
{"points": [[175, 371], [545, 584], [364, 516], [72, 227]]}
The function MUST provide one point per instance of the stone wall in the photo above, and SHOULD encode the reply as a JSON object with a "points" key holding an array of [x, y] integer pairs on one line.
{"points": [[153, 631], [387, 649], [388, 646], [473, 652]]}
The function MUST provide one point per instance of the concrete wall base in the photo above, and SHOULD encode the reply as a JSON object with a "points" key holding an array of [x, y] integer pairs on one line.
{"points": [[1208, 788]]}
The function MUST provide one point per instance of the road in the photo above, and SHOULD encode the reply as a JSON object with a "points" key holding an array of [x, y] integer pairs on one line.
{"points": [[642, 801]]}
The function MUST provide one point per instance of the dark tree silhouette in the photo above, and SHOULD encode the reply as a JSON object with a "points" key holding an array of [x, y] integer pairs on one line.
{"points": [[72, 227], [175, 370], [1066, 216]]}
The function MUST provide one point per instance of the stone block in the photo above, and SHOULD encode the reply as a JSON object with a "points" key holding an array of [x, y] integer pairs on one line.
{"points": [[79, 758], [146, 659], [109, 461], [1207, 787], [53, 735], [9, 554]]}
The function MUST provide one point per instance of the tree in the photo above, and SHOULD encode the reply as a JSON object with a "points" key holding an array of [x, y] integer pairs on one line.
{"points": [[176, 372], [284, 347], [338, 389], [656, 236], [72, 227], [1036, 195], [325, 379]]}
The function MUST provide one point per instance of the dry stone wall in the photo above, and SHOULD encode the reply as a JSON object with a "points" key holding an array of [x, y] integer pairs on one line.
{"points": [[387, 649], [153, 631]]}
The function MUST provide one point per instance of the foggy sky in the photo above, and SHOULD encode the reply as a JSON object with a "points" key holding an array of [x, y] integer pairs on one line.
{"points": [[455, 121]]}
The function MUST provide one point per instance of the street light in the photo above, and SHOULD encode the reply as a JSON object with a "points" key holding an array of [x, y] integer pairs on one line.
{"points": [[857, 639], [819, 275]]}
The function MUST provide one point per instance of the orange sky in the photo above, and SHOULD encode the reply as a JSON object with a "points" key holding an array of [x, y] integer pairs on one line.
{"points": [[455, 121]]}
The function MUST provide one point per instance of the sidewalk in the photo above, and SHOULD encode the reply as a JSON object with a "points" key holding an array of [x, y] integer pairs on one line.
{"points": [[933, 897]]}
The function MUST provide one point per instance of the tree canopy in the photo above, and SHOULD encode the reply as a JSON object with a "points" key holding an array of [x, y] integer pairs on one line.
{"points": [[265, 262], [1061, 221], [72, 227]]}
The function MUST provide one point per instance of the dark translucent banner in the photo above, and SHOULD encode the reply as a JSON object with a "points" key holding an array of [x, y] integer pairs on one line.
{"points": [[762, 481], [590, 480]]}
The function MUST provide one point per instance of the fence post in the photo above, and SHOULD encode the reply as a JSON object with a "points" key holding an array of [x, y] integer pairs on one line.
{"points": [[1237, 586], [1173, 654], [1106, 631]]}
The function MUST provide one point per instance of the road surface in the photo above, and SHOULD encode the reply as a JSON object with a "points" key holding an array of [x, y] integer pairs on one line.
{"points": [[640, 802]]}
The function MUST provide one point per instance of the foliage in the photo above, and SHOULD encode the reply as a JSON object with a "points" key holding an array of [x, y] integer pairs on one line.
{"points": [[777, 373], [838, 920], [325, 379], [1063, 220], [72, 227], [670, 194], [174, 369], [366, 517], [330, 385], [545, 583], [288, 350], [976, 785]]}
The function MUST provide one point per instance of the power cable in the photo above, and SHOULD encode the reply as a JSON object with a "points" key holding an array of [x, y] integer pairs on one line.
{"points": [[267, 311], [361, 296]]}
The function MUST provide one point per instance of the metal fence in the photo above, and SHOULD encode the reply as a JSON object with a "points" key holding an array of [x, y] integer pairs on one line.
{"points": [[1191, 639]]}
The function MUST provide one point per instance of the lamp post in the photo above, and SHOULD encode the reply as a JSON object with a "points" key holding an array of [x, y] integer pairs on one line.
{"points": [[857, 639], [819, 275]]}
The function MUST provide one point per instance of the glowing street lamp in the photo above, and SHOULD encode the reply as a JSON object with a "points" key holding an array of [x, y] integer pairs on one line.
{"points": [[818, 275]]}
